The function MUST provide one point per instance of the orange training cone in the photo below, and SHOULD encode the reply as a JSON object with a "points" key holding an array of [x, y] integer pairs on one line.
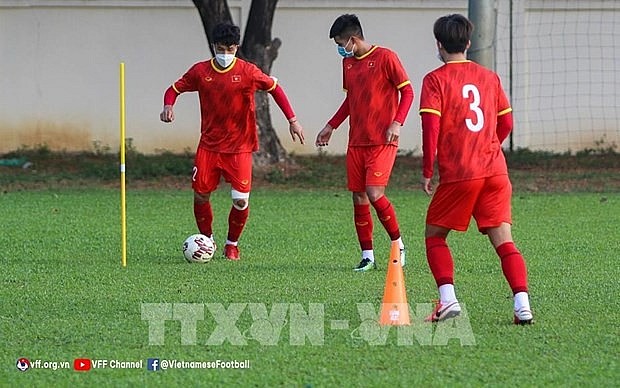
{"points": [[394, 309]]}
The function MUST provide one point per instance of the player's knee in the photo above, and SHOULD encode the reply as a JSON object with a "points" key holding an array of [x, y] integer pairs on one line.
{"points": [[241, 204], [360, 198], [241, 201], [201, 197], [436, 231], [500, 235], [374, 193]]}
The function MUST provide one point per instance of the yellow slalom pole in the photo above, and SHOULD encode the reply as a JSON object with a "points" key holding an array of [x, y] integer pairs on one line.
{"points": [[122, 155]]}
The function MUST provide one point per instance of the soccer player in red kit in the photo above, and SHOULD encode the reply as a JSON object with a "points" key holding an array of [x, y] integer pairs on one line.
{"points": [[226, 86], [373, 79], [465, 118]]}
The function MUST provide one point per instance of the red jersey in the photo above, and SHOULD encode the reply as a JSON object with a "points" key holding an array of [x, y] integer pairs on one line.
{"points": [[228, 119], [468, 98], [372, 83]]}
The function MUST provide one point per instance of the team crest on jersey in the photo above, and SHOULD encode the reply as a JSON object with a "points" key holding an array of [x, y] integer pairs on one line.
{"points": [[371, 64], [208, 79], [236, 78], [378, 173], [349, 66]]}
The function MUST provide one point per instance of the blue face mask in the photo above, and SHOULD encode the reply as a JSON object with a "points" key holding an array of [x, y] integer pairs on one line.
{"points": [[343, 52]]}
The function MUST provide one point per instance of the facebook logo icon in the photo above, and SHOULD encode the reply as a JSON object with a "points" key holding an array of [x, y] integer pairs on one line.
{"points": [[152, 364]]}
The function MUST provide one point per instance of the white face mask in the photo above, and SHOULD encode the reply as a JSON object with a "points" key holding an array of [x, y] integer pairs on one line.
{"points": [[224, 59]]}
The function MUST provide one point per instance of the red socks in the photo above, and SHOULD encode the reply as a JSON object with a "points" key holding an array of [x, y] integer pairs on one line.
{"points": [[387, 216], [442, 265], [204, 218], [440, 260], [363, 221], [363, 225], [236, 222], [513, 266]]}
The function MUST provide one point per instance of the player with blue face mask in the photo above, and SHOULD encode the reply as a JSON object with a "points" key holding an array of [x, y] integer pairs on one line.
{"points": [[342, 50], [378, 98]]}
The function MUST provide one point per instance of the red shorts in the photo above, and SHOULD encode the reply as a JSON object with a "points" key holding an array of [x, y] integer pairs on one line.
{"points": [[369, 166], [210, 166], [486, 199]]}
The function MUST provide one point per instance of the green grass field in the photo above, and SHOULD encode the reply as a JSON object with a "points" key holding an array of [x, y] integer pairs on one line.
{"points": [[65, 295]]}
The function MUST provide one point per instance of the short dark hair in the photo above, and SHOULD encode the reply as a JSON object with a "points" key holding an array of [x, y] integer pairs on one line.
{"points": [[346, 26], [453, 32], [226, 33]]}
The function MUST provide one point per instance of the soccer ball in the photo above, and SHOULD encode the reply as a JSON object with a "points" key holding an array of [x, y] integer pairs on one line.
{"points": [[198, 248]]}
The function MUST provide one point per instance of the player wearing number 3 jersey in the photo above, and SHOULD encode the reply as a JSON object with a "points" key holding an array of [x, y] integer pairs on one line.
{"points": [[465, 118]]}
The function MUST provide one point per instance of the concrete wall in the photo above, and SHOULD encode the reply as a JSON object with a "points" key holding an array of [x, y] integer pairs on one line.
{"points": [[59, 68]]}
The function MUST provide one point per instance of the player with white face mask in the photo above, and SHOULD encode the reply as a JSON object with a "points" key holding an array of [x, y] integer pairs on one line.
{"points": [[226, 86], [224, 59]]}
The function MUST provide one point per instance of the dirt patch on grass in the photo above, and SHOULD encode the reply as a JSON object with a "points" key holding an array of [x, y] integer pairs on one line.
{"points": [[532, 172]]}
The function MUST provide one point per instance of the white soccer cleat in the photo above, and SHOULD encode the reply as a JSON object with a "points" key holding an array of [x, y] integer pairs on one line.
{"points": [[441, 312], [523, 317]]}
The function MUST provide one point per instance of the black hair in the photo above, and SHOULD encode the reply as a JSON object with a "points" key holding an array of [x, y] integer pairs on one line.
{"points": [[346, 26], [226, 34], [453, 32]]}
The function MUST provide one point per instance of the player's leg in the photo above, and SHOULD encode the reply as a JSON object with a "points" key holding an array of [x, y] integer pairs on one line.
{"points": [[203, 213], [493, 215], [238, 171], [361, 208], [205, 179], [380, 161], [450, 209], [386, 214], [515, 271], [364, 229], [440, 262]]}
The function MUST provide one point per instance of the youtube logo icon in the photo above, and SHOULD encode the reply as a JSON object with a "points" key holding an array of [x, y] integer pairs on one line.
{"points": [[81, 364]]}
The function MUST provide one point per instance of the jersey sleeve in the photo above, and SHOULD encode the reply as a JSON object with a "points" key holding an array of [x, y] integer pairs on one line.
{"points": [[396, 71], [503, 104], [262, 81], [187, 83], [430, 96]]}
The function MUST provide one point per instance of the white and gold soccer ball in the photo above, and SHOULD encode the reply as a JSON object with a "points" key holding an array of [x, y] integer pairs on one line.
{"points": [[198, 248]]}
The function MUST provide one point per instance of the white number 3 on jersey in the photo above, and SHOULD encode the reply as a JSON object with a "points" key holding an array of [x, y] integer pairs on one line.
{"points": [[472, 90]]}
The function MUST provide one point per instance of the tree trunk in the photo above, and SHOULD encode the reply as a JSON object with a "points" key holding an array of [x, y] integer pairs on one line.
{"points": [[257, 47], [211, 13]]}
